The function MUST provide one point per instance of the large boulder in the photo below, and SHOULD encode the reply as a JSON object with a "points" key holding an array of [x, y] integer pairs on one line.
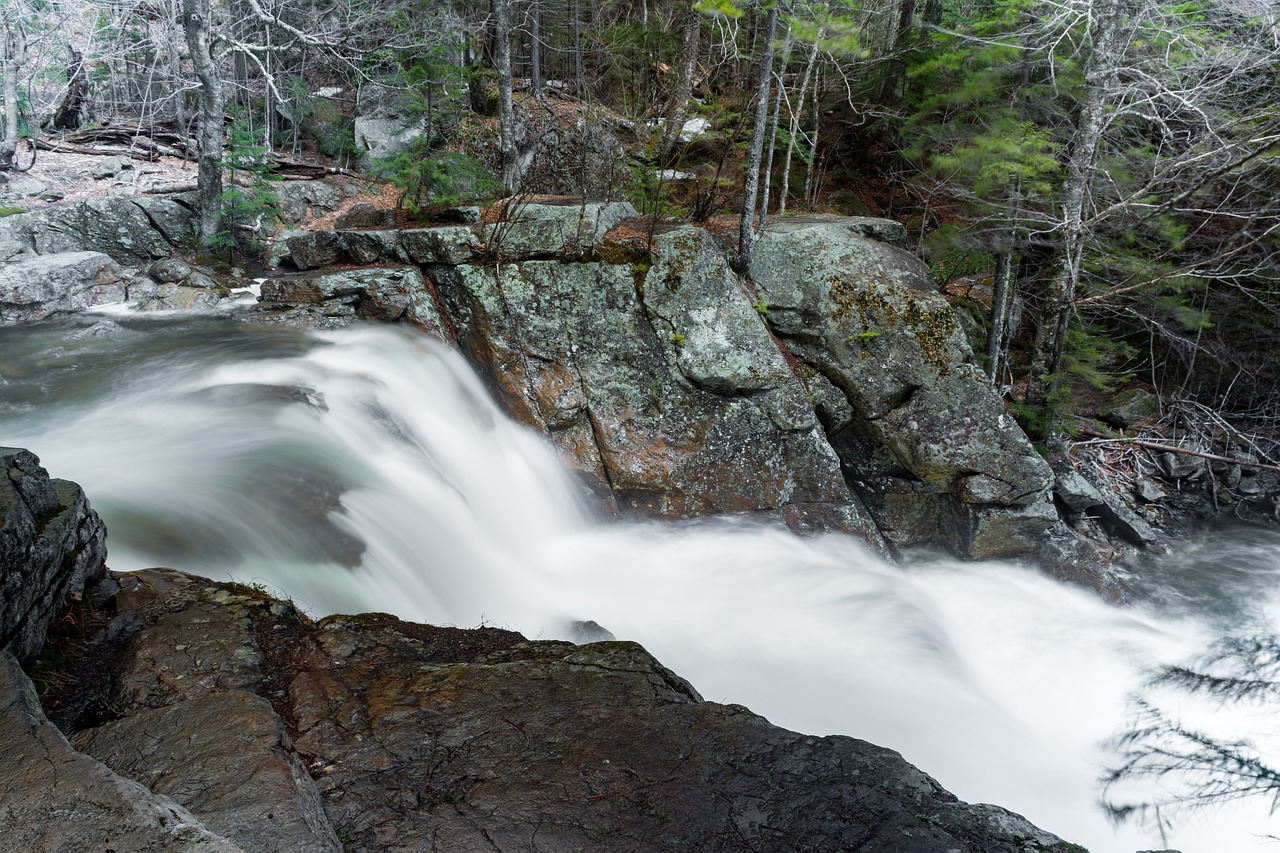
{"points": [[662, 385], [386, 122], [131, 231], [51, 542], [422, 737], [38, 286], [928, 444], [567, 227]]}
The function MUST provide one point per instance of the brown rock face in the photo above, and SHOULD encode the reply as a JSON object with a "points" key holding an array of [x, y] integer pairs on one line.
{"points": [[366, 733], [56, 799]]}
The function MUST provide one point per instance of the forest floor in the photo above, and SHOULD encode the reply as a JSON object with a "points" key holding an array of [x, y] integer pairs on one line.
{"points": [[62, 178]]}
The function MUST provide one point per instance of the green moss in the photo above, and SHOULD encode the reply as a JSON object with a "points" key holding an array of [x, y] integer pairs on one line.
{"points": [[10, 210]]}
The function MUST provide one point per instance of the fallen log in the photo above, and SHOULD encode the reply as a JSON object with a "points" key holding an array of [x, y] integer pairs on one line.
{"points": [[1098, 438], [149, 155]]}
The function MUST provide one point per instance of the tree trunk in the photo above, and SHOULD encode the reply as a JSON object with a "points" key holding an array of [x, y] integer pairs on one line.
{"points": [[535, 48], [70, 114], [999, 332], [810, 185], [579, 84], [506, 111], [767, 166], [211, 111], [14, 55], [746, 227], [175, 69], [1104, 38], [679, 107], [794, 126], [898, 52]]}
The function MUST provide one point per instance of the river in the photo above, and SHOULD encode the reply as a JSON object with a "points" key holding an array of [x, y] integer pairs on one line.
{"points": [[368, 469]]}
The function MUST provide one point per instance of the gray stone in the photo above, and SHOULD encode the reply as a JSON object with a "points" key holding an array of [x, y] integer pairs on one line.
{"points": [[450, 244], [193, 298], [388, 294], [1075, 491], [413, 729], [170, 216], [723, 344], [1148, 491], [39, 287], [26, 187], [1129, 407], [299, 199], [51, 543], [362, 214], [169, 270], [371, 247], [567, 227], [57, 800], [386, 123], [923, 427], [12, 250], [314, 249], [121, 229], [225, 757], [573, 351], [109, 167]]}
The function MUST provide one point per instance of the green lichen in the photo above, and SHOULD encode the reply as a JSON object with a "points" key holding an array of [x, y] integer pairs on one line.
{"points": [[874, 310]]}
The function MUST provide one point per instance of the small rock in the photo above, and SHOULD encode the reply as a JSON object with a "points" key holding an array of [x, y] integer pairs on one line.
{"points": [[112, 166], [1148, 491], [104, 329], [1129, 407], [169, 270], [365, 215], [27, 187]]}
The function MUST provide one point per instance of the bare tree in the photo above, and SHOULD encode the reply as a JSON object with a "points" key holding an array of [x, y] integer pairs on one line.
{"points": [[747, 233], [211, 112], [678, 108], [15, 54], [506, 112]]}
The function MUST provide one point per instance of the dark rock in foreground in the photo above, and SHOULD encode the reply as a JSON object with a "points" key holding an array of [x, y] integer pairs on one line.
{"points": [[51, 542], [366, 733]]}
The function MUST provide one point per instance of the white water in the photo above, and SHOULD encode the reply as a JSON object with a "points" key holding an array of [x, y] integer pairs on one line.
{"points": [[994, 679]]}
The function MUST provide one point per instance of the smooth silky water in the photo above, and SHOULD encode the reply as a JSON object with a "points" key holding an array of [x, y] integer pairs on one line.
{"points": [[369, 470]]}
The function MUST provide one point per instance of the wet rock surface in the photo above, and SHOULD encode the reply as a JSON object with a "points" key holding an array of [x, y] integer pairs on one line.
{"points": [[367, 733], [57, 799]]}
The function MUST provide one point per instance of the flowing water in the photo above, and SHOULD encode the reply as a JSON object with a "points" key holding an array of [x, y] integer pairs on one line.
{"points": [[369, 470]]}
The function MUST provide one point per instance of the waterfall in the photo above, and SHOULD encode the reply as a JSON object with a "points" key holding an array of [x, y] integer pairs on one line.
{"points": [[368, 469]]}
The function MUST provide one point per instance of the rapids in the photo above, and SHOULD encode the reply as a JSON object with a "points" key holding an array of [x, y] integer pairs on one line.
{"points": [[369, 470]]}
